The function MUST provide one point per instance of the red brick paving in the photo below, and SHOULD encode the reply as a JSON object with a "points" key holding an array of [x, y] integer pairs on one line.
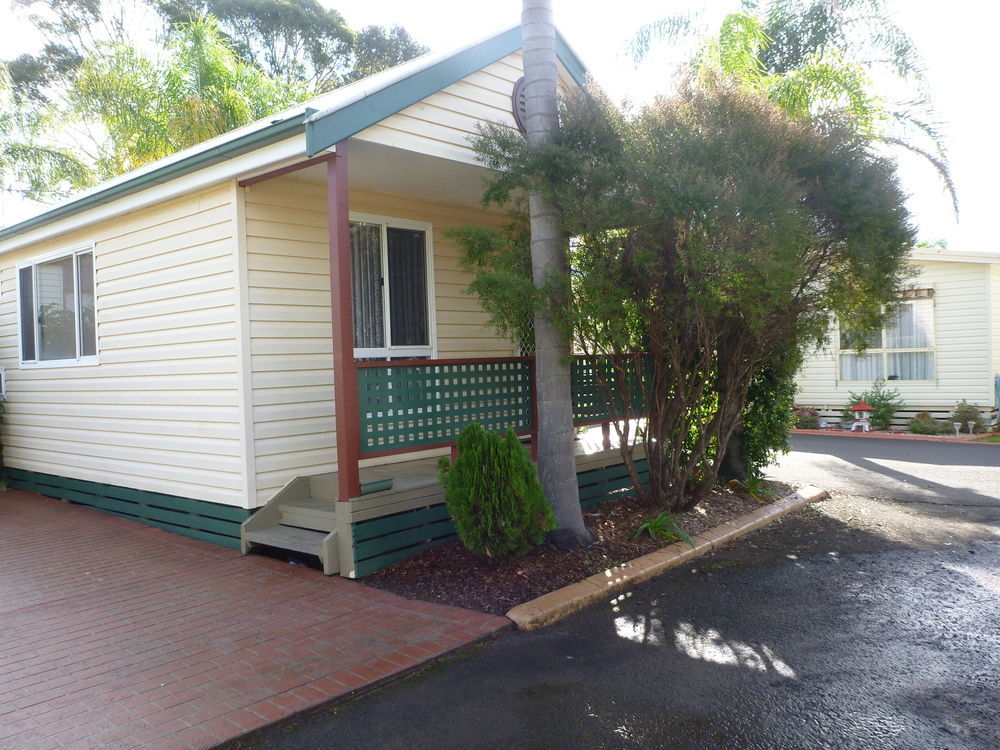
{"points": [[119, 635]]}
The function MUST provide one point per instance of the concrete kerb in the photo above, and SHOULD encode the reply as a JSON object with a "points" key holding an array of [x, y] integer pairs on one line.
{"points": [[556, 605]]}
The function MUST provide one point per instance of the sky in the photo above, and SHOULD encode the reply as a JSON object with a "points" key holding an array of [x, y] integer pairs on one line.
{"points": [[953, 38]]}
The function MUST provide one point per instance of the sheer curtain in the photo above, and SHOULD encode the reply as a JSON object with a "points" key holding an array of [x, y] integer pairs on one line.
{"points": [[912, 328], [861, 366], [911, 365]]}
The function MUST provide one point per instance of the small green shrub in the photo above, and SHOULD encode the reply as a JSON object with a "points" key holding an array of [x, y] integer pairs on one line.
{"points": [[924, 424], [755, 487], [493, 494], [885, 401], [664, 525], [806, 418], [965, 413]]}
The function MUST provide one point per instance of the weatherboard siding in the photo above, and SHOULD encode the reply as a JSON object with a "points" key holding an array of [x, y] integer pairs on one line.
{"points": [[291, 351], [995, 317], [160, 412], [963, 358], [443, 123]]}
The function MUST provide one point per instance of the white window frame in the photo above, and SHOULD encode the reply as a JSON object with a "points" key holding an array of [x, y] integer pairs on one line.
{"points": [[33, 263], [409, 352], [884, 351]]}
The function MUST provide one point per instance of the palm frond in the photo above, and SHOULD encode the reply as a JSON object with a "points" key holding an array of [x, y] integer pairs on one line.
{"points": [[666, 29], [939, 164]]}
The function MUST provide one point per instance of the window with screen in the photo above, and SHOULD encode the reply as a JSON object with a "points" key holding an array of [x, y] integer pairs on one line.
{"points": [[390, 287], [56, 309]]}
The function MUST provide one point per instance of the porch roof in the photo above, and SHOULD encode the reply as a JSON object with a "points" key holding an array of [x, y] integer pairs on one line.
{"points": [[324, 120]]}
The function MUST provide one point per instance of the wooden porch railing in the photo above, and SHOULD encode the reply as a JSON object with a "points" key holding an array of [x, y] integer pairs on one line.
{"points": [[412, 405], [424, 403]]}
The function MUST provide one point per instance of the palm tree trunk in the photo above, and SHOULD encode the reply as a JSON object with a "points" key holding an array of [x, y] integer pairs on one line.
{"points": [[556, 464]]}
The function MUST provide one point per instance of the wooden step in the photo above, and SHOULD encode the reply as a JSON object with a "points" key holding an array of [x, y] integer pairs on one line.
{"points": [[288, 537], [309, 513]]}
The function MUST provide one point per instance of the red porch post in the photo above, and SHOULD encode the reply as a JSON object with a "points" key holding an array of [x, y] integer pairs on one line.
{"points": [[345, 373]]}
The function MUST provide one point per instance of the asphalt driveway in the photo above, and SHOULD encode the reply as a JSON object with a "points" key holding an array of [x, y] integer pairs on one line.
{"points": [[870, 620]]}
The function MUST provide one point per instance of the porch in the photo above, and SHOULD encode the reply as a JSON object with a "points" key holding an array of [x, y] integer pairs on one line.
{"points": [[387, 524], [410, 358]]}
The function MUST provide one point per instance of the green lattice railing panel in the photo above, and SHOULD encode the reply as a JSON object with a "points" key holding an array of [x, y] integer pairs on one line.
{"points": [[589, 402], [409, 406]]}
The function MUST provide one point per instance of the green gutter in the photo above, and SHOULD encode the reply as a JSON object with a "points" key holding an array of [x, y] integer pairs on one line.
{"points": [[325, 130], [277, 131]]}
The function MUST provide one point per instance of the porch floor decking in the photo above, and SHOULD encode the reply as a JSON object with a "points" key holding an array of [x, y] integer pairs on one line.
{"points": [[419, 473]]}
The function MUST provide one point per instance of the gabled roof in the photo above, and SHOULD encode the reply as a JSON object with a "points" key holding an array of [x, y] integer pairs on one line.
{"points": [[373, 99], [325, 119]]}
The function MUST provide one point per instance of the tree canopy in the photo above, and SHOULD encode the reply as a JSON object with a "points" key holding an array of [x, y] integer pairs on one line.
{"points": [[130, 81], [713, 234], [150, 107], [30, 164], [848, 61]]}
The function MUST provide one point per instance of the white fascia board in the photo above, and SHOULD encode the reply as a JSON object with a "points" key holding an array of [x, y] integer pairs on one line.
{"points": [[952, 256]]}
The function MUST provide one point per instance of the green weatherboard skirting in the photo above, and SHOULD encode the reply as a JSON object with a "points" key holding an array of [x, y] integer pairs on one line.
{"points": [[209, 522], [380, 542]]}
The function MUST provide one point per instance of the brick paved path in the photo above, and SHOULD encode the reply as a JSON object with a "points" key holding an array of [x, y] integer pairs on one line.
{"points": [[119, 635]]}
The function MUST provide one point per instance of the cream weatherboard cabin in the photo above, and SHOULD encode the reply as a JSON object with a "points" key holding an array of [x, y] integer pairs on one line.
{"points": [[944, 347], [239, 342]]}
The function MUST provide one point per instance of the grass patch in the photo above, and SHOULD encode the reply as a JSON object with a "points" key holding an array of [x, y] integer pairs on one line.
{"points": [[988, 439]]}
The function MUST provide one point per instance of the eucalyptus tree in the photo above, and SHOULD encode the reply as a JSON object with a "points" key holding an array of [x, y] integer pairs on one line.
{"points": [[549, 268], [296, 40], [288, 39], [379, 47], [70, 31]]}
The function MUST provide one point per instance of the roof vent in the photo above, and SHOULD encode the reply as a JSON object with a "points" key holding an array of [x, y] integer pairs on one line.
{"points": [[518, 106]]}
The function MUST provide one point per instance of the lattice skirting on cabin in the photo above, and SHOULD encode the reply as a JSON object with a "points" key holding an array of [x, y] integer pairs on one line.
{"points": [[209, 522], [902, 418]]}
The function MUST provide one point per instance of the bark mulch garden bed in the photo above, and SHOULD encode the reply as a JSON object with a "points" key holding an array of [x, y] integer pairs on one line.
{"points": [[450, 574]]}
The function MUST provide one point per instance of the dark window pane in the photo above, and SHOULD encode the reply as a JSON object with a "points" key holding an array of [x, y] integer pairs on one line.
{"points": [[88, 321], [407, 288], [27, 302], [366, 280], [56, 309], [855, 339]]}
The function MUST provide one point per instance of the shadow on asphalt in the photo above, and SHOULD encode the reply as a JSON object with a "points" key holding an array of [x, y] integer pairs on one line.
{"points": [[986, 454], [933, 499], [811, 633]]}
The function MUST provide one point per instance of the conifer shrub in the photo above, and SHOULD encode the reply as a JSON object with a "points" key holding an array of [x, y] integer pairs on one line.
{"points": [[924, 424], [494, 496], [884, 400], [965, 413]]}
